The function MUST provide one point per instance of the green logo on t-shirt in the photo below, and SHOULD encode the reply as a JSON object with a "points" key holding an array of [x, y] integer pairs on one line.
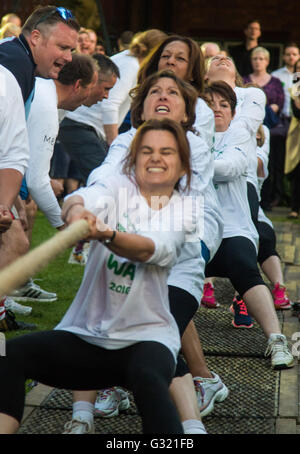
{"points": [[124, 269]]}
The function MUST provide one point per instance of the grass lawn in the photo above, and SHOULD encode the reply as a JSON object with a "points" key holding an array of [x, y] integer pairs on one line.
{"points": [[59, 277], [64, 279]]}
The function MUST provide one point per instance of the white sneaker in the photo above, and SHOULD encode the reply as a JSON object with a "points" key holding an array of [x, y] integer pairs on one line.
{"points": [[16, 308], [33, 292], [281, 357], [111, 401], [208, 391], [79, 427]]}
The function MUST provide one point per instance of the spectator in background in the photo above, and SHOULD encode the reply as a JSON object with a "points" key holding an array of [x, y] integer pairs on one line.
{"points": [[100, 47], [125, 40], [210, 50], [93, 40], [11, 18], [9, 30], [292, 158], [272, 190], [84, 42], [291, 55], [224, 52], [241, 54]]}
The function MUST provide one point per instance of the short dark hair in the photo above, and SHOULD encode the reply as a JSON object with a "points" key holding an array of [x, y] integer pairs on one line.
{"points": [[179, 134], [224, 90], [82, 67], [290, 44], [196, 66], [140, 93], [106, 66], [126, 37], [44, 16], [252, 21]]}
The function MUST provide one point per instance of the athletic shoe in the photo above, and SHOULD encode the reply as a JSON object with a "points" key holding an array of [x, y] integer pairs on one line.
{"points": [[33, 292], [79, 426], [208, 299], [281, 357], [281, 301], [111, 401], [9, 323], [241, 317], [16, 308], [209, 391]]}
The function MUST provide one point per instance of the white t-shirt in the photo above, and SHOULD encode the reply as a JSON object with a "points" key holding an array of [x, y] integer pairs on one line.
{"points": [[115, 108], [14, 147], [42, 131], [263, 154], [250, 113], [286, 78], [188, 273], [205, 122], [120, 302], [231, 152]]}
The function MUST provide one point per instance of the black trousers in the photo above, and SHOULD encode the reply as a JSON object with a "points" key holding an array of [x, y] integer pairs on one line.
{"points": [[183, 307], [63, 360], [236, 259], [294, 178], [272, 188], [86, 149]]}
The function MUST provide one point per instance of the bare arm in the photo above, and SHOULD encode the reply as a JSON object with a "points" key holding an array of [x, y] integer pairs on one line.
{"points": [[134, 247], [260, 168], [111, 132], [10, 183]]}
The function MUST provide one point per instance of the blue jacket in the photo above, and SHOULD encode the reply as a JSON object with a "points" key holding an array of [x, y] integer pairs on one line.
{"points": [[16, 56]]}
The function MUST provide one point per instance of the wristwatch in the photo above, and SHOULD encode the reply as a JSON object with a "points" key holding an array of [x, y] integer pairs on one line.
{"points": [[110, 240]]}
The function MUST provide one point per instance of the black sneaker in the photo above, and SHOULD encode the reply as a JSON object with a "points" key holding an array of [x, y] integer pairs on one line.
{"points": [[9, 323], [241, 317]]}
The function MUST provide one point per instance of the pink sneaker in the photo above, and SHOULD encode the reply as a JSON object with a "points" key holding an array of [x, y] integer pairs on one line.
{"points": [[208, 299], [281, 300]]}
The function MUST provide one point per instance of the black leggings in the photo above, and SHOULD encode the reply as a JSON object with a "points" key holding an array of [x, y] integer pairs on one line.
{"points": [[236, 259], [183, 307], [253, 202], [267, 237], [62, 360], [267, 242]]}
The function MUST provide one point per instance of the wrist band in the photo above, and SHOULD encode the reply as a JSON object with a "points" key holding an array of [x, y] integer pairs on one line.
{"points": [[71, 206], [110, 240]]}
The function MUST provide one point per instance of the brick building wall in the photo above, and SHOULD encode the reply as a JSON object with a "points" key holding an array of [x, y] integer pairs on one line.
{"points": [[200, 19]]}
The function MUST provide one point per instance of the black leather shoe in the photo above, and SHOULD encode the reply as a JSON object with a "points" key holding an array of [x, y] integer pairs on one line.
{"points": [[9, 323]]}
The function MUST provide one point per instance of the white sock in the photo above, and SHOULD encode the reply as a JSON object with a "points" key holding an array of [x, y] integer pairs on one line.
{"points": [[193, 426], [83, 411], [275, 336]]}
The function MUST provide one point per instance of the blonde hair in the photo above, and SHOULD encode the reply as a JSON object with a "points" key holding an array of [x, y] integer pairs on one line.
{"points": [[10, 30], [7, 18], [143, 42], [262, 50]]}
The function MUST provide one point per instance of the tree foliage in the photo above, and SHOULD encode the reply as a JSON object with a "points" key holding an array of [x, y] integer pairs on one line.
{"points": [[86, 12]]}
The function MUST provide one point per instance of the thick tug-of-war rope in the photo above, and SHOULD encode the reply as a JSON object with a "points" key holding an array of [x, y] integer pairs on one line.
{"points": [[18, 272]]}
